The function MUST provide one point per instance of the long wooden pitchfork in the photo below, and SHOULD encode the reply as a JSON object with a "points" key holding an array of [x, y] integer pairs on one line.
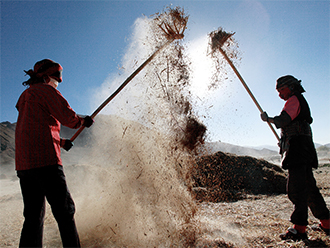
{"points": [[172, 25], [218, 38]]}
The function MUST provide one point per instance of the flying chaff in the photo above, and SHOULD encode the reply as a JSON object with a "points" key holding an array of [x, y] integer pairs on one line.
{"points": [[172, 22], [218, 39]]}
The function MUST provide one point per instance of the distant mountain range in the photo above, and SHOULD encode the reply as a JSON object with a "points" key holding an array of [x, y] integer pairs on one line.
{"points": [[258, 152], [7, 135]]}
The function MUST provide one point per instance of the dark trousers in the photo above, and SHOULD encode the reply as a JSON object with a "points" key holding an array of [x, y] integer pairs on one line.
{"points": [[36, 186], [303, 193]]}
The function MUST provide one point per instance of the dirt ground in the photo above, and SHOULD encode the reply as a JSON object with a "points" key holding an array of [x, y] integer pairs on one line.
{"points": [[253, 222], [258, 220]]}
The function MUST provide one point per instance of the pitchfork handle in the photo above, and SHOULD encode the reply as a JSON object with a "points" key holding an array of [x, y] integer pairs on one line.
{"points": [[248, 90], [121, 87]]}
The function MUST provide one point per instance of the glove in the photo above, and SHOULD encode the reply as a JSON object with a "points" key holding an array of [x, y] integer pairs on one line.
{"points": [[264, 116], [88, 121], [67, 144]]}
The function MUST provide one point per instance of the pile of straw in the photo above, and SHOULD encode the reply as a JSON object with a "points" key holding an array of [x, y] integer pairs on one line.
{"points": [[224, 177]]}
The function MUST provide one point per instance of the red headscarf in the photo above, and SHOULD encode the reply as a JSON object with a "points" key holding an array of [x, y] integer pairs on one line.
{"points": [[43, 68]]}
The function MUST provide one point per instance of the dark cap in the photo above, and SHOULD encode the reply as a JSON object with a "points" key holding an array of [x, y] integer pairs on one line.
{"points": [[290, 81]]}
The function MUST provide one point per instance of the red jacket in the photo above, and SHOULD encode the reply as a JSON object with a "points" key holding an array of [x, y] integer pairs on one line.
{"points": [[41, 109]]}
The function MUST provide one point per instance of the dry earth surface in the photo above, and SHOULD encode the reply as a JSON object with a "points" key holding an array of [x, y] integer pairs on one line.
{"points": [[253, 222], [249, 220], [258, 220]]}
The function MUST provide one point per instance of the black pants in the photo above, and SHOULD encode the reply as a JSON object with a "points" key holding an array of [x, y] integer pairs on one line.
{"points": [[36, 185], [303, 193]]}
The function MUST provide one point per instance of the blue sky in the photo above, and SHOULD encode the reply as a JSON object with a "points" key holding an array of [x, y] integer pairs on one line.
{"points": [[90, 39]]}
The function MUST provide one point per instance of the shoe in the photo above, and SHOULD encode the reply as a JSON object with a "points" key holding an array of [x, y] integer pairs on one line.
{"points": [[319, 228], [293, 234]]}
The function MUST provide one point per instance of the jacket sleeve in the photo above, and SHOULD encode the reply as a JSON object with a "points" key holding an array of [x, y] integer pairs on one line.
{"points": [[290, 111], [61, 110], [282, 120]]}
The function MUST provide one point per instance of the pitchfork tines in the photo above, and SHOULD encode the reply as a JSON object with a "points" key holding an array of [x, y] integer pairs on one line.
{"points": [[173, 23], [218, 38]]}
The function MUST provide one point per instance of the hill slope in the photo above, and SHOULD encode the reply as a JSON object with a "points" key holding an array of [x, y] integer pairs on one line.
{"points": [[7, 135]]}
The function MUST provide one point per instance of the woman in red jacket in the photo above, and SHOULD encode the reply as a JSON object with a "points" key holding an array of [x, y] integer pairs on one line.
{"points": [[42, 109], [299, 157]]}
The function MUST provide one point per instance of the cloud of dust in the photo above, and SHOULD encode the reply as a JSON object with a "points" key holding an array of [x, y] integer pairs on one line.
{"points": [[134, 195], [214, 228], [135, 188], [136, 181]]}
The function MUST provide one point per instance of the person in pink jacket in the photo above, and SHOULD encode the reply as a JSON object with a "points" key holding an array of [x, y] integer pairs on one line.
{"points": [[42, 109], [299, 157]]}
